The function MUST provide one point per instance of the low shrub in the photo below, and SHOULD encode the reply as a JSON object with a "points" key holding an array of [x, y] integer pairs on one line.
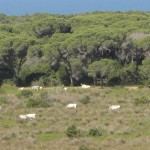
{"points": [[3, 100], [141, 86], [8, 83], [82, 147], [96, 132], [97, 94], [44, 95], [36, 103], [72, 131], [85, 100], [26, 93], [141, 100]]}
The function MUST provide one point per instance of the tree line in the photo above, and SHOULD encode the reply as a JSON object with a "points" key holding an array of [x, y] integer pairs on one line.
{"points": [[51, 50]]}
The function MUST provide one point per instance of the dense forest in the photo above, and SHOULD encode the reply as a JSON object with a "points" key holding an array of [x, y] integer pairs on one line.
{"points": [[93, 48]]}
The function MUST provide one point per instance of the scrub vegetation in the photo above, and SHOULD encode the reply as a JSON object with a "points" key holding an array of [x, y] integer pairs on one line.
{"points": [[90, 126]]}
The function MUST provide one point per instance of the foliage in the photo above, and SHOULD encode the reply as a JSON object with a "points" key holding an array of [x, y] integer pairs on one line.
{"points": [[1, 81], [44, 95], [104, 68], [96, 132], [36, 103], [3, 100], [128, 73], [44, 81], [62, 75], [83, 147], [141, 100], [85, 100], [141, 86], [26, 93], [64, 49], [72, 131], [49, 80], [145, 70]]}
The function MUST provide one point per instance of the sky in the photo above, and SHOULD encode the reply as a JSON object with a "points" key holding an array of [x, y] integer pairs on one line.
{"points": [[23, 7]]}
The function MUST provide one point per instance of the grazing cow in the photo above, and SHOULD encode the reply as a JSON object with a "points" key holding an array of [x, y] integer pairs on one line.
{"points": [[85, 86], [21, 88], [41, 88], [30, 116], [71, 106], [23, 117], [114, 107], [35, 88], [65, 89]]}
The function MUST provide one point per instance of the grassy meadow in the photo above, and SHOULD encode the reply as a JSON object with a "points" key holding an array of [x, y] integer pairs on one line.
{"points": [[122, 129]]}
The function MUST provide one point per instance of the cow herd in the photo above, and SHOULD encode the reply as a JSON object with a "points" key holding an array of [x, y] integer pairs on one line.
{"points": [[71, 105], [35, 87]]}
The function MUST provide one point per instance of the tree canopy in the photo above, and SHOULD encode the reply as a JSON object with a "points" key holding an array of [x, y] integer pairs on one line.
{"points": [[70, 49]]}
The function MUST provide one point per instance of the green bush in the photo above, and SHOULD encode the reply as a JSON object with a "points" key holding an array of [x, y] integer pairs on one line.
{"points": [[63, 76], [3, 100], [83, 148], [8, 82], [44, 95], [26, 93], [141, 100], [141, 86], [72, 131], [44, 81], [96, 132], [36, 103], [97, 94], [85, 100]]}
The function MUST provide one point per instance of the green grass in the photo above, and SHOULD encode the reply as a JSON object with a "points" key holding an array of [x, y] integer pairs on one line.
{"points": [[8, 89], [7, 123], [49, 136]]}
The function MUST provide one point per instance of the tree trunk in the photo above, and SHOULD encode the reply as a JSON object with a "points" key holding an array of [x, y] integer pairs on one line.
{"points": [[95, 81], [71, 80], [102, 81]]}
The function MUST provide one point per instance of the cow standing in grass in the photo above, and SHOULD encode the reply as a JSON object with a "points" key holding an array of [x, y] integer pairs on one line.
{"points": [[35, 88], [114, 107], [21, 88], [71, 106], [85, 86]]}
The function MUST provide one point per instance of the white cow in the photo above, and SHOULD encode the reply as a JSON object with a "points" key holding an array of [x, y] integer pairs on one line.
{"points": [[41, 88], [114, 107], [65, 89], [35, 88], [85, 86], [30, 116], [71, 106], [23, 117], [21, 88]]}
